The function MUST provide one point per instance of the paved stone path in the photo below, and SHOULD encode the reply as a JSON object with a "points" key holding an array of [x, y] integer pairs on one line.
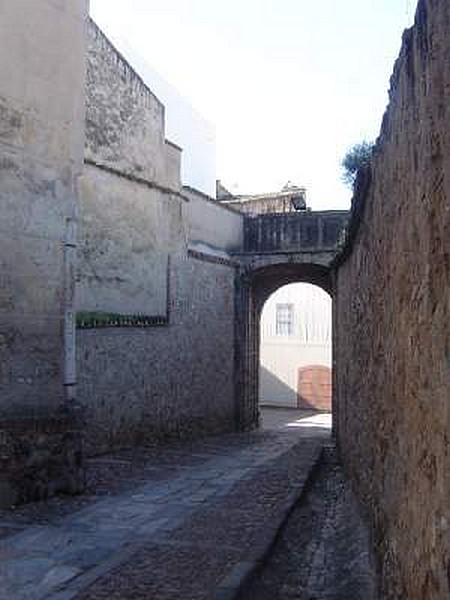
{"points": [[182, 521]]}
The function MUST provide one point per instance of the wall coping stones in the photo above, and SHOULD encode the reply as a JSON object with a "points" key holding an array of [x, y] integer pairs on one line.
{"points": [[364, 177], [135, 179], [212, 258], [211, 200], [124, 64], [170, 143]]}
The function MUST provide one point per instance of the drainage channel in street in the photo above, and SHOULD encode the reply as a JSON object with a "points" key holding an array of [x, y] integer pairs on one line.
{"points": [[323, 550]]}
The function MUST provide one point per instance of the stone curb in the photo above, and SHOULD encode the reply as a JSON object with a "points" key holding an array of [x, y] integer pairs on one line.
{"points": [[243, 571]]}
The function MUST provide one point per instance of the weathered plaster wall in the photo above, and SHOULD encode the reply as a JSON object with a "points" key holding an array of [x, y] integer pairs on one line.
{"points": [[140, 383], [393, 323], [41, 149], [124, 120], [211, 223], [126, 233]]}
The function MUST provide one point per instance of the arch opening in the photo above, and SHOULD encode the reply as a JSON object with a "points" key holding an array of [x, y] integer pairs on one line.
{"points": [[255, 285], [295, 348]]}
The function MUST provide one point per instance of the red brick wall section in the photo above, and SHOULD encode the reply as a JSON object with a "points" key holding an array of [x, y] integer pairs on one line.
{"points": [[314, 387]]}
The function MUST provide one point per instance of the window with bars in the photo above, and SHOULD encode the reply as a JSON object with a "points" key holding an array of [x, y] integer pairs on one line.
{"points": [[284, 323]]}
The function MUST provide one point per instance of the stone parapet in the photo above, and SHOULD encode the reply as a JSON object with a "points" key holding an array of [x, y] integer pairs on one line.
{"points": [[294, 232]]}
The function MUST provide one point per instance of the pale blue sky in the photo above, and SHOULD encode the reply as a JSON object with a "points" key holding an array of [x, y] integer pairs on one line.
{"points": [[288, 84]]}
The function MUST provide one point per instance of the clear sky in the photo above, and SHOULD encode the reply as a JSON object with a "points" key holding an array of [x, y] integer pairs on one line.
{"points": [[288, 84]]}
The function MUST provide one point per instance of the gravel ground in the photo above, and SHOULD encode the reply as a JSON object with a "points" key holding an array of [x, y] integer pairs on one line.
{"points": [[322, 553]]}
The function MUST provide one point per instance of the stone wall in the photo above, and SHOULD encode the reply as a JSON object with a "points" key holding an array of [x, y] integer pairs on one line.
{"points": [[392, 322], [41, 149], [143, 384], [155, 283], [124, 119]]}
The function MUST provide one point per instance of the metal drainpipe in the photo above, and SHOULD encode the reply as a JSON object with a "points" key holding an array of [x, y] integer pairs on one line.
{"points": [[70, 249]]}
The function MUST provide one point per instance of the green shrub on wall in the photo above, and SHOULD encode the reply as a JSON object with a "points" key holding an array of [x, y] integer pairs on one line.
{"points": [[89, 320], [357, 157]]}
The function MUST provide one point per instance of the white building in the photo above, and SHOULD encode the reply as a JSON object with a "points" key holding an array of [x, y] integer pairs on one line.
{"points": [[296, 348]]}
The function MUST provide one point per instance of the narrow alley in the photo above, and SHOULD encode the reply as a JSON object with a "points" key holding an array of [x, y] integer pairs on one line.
{"points": [[323, 551], [188, 520], [148, 264]]}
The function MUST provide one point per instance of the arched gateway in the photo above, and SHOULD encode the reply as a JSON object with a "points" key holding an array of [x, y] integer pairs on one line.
{"points": [[278, 249]]}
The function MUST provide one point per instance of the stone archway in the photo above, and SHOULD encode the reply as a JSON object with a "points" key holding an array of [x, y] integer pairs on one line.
{"points": [[255, 282]]}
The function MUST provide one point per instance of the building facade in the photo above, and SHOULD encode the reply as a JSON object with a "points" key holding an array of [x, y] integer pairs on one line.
{"points": [[290, 198], [295, 354]]}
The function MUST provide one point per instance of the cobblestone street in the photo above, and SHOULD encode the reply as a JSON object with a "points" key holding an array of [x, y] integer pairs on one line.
{"points": [[186, 520], [322, 552]]}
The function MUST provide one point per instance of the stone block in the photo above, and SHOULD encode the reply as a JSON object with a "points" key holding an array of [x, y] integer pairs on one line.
{"points": [[40, 456]]}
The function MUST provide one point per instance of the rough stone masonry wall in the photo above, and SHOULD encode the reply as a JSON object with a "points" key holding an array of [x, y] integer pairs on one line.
{"points": [[143, 384], [41, 149], [393, 323], [155, 338]]}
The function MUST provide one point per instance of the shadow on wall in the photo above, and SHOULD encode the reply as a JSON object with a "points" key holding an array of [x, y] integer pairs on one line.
{"points": [[314, 389], [275, 392]]}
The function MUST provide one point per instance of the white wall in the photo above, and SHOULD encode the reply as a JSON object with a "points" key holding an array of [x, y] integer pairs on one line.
{"points": [[211, 224], [310, 344]]}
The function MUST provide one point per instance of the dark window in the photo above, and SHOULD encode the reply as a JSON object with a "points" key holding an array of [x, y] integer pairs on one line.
{"points": [[284, 319]]}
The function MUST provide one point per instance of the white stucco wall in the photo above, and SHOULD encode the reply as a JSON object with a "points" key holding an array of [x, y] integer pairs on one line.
{"points": [[210, 223], [310, 343]]}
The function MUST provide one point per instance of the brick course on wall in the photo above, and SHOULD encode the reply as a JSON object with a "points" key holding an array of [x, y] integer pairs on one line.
{"points": [[392, 323]]}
